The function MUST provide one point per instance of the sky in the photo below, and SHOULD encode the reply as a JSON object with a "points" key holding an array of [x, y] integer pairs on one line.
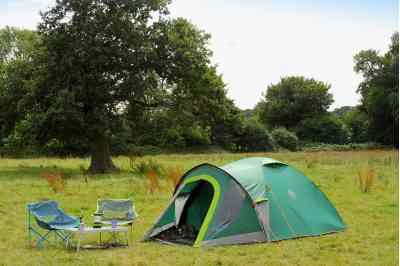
{"points": [[256, 42]]}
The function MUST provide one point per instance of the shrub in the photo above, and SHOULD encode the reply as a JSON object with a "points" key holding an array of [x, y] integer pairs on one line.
{"points": [[254, 137], [139, 168], [139, 151], [150, 150], [357, 123], [173, 137], [325, 128], [20, 143], [142, 168], [285, 138], [344, 147], [197, 136]]}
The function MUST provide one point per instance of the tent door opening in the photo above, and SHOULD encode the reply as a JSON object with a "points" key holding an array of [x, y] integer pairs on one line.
{"points": [[190, 210]]}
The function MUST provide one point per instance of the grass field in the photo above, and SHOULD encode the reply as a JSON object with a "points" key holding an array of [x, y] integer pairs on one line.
{"points": [[372, 218]]}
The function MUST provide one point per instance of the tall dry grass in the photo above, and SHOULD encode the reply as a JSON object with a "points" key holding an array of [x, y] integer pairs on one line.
{"points": [[55, 180], [311, 162], [366, 179], [174, 175], [154, 181]]}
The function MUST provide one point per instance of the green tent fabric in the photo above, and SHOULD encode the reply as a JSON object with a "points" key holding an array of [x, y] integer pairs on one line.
{"points": [[247, 201], [250, 174], [198, 207]]}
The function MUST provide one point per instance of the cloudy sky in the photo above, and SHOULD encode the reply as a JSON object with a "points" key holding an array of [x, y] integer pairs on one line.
{"points": [[256, 42]]}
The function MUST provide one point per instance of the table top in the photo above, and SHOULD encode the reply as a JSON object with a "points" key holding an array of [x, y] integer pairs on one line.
{"points": [[89, 229]]}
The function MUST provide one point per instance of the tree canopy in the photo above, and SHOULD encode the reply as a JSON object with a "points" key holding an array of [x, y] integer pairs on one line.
{"points": [[294, 99], [17, 50], [380, 91], [301, 105], [102, 77], [104, 58]]}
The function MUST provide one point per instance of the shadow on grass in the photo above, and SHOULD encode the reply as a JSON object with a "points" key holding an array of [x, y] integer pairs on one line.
{"points": [[33, 172]]}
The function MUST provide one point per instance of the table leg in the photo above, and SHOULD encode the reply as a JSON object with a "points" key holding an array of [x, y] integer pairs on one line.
{"points": [[131, 233], [67, 241], [114, 238], [127, 238]]}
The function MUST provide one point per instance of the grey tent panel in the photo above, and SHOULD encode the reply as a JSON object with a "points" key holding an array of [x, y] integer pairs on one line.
{"points": [[230, 208], [179, 206], [262, 210]]}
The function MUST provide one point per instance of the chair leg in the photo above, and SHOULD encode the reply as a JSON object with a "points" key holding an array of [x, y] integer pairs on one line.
{"points": [[43, 238], [61, 235], [28, 225], [65, 237], [68, 239], [37, 234], [131, 233], [29, 236], [80, 236]]}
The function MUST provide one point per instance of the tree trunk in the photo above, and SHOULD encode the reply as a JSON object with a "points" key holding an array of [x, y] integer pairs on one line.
{"points": [[101, 161]]}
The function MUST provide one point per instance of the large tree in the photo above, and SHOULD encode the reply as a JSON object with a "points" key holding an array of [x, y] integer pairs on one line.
{"points": [[356, 122], [380, 91], [107, 57], [293, 100], [17, 49]]}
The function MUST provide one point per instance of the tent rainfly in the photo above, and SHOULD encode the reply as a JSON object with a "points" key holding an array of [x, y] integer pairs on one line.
{"points": [[252, 200]]}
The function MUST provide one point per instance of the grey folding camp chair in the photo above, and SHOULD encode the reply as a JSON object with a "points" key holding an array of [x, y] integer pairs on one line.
{"points": [[122, 211], [49, 219]]}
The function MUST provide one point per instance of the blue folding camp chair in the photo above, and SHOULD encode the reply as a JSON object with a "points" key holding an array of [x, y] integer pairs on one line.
{"points": [[122, 211], [49, 218]]}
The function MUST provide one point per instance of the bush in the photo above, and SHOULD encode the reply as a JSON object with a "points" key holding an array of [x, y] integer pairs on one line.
{"points": [[344, 147], [20, 143], [197, 136], [139, 151], [55, 147], [255, 137], [325, 128], [357, 123], [285, 138], [142, 168], [172, 138], [23, 142]]}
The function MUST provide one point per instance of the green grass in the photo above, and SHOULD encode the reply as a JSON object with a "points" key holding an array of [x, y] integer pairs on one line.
{"points": [[372, 218]]}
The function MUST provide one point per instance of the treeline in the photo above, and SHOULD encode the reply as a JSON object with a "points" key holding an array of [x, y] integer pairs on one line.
{"points": [[293, 113], [122, 77]]}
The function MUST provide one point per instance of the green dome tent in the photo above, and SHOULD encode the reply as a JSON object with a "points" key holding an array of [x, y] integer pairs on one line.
{"points": [[247, 201]]}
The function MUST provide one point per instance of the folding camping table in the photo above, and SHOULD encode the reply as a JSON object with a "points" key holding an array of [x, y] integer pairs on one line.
{"points": [[81, 232]]}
